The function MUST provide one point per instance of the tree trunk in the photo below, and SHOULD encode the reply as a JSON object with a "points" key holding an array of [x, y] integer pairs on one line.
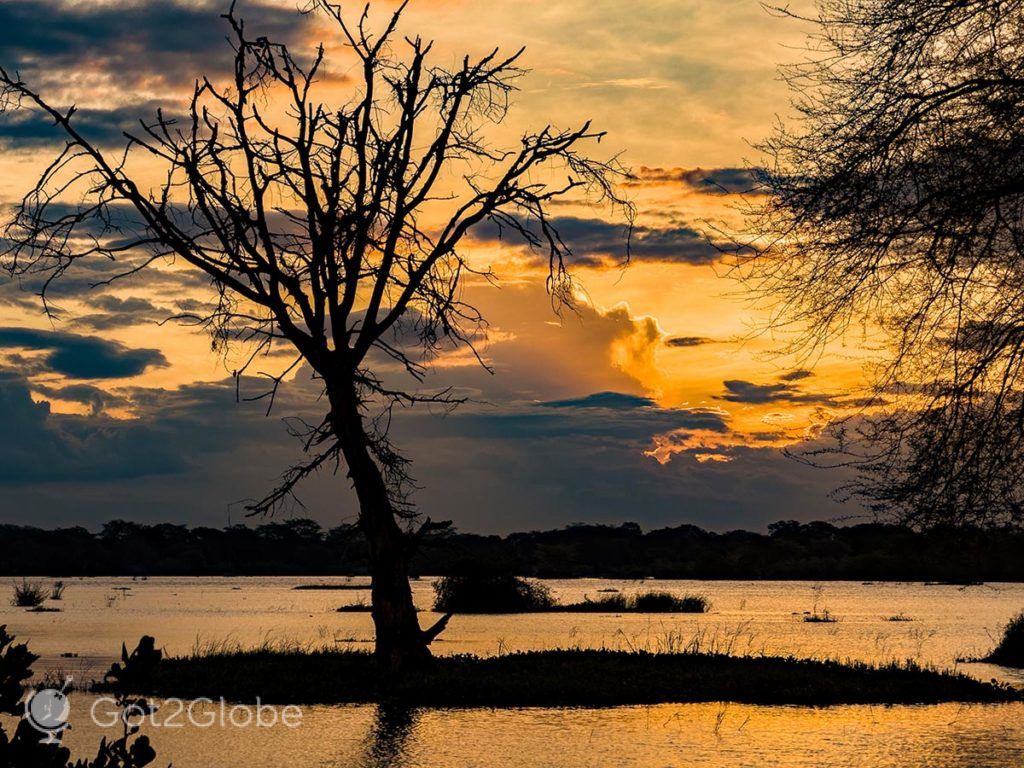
{"points": [[399, 640]]}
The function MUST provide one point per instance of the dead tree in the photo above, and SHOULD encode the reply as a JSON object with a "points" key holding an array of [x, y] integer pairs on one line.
{"points": [[334, 229], [895, 204]]}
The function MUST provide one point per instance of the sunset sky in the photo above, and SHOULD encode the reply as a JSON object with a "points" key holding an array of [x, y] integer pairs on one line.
{"points": [[648, 404]]}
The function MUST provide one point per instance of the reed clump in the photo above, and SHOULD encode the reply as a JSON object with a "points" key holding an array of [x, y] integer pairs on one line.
{"points": [[28, 594]]}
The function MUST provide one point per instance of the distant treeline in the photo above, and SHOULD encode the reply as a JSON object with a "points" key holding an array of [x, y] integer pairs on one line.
{"points": [[790, 550]]}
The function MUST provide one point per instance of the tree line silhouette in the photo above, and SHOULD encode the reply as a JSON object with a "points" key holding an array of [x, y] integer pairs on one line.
{"points": [[299, 547]]}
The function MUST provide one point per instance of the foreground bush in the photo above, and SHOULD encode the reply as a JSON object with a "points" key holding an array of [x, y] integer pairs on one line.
{"points": [[490, 593], [1010, 651], [27, 747]]}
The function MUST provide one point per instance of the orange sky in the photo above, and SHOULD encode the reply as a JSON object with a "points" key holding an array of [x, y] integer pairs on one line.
{"points": [[679, 85]]}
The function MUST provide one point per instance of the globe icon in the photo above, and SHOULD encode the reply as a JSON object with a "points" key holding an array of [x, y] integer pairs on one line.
{"points": [[48, 710]]}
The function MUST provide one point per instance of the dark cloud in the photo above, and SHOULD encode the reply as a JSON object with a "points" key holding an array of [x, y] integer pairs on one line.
{"points": [[595, 242], [193, 453], [688, 341], [86, 278], [500, 473], [152, 43], [616, 400], [82, 357], [97, 399], [740, 391], [120, 313], [176, 432], [611, 417], [796, 375], [37, 446], [711, 181], [104, 127]]}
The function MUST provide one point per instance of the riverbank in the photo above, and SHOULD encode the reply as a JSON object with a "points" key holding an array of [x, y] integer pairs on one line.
{"points": [[562, 678]]}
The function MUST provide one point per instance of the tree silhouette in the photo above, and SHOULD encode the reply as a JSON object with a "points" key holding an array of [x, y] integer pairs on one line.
{"points": [[334, 229], [895, 202]]}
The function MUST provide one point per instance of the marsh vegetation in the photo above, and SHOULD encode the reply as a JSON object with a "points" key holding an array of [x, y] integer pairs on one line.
{"points": [[1010, 651], [505, 593], [562, 678]]}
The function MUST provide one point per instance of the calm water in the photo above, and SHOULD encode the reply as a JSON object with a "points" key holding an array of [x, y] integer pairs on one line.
{"points": [[183, 614]]}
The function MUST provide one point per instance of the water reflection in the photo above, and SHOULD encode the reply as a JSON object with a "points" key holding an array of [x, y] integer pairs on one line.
{"points": [[387, 746]]}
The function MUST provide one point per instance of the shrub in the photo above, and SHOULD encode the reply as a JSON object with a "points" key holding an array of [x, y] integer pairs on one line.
{"points": [[666, 602], [1010, 651], [654, 601], [28, 594], [360, 606], [825, 617], [490, 593], [57, 593]]}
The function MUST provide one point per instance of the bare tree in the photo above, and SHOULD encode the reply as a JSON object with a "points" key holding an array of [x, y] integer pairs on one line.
{"points": [[334, 229], [896, 204]]}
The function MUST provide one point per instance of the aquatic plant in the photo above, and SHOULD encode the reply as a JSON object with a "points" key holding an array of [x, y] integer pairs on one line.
{"points": [[819, 616], [666, 602], [1010, 651], [651, 601], [28, 594]]}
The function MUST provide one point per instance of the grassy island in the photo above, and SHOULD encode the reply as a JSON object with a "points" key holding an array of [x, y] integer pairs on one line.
{"points": [[561, 678]]}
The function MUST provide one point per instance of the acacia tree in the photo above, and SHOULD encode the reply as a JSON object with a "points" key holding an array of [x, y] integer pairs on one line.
{"points": [[332, 228], [895, 201]]}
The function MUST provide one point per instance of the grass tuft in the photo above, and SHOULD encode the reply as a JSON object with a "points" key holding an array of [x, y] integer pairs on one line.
{"points": [[28, 594]]}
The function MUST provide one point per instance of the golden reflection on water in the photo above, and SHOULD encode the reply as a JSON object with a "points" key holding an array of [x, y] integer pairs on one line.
{"points": [[669, 736], [746, 617], [948, 622]]}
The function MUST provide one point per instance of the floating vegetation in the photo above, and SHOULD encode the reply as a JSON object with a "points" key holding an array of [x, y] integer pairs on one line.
{"points": [[816, 615]]}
